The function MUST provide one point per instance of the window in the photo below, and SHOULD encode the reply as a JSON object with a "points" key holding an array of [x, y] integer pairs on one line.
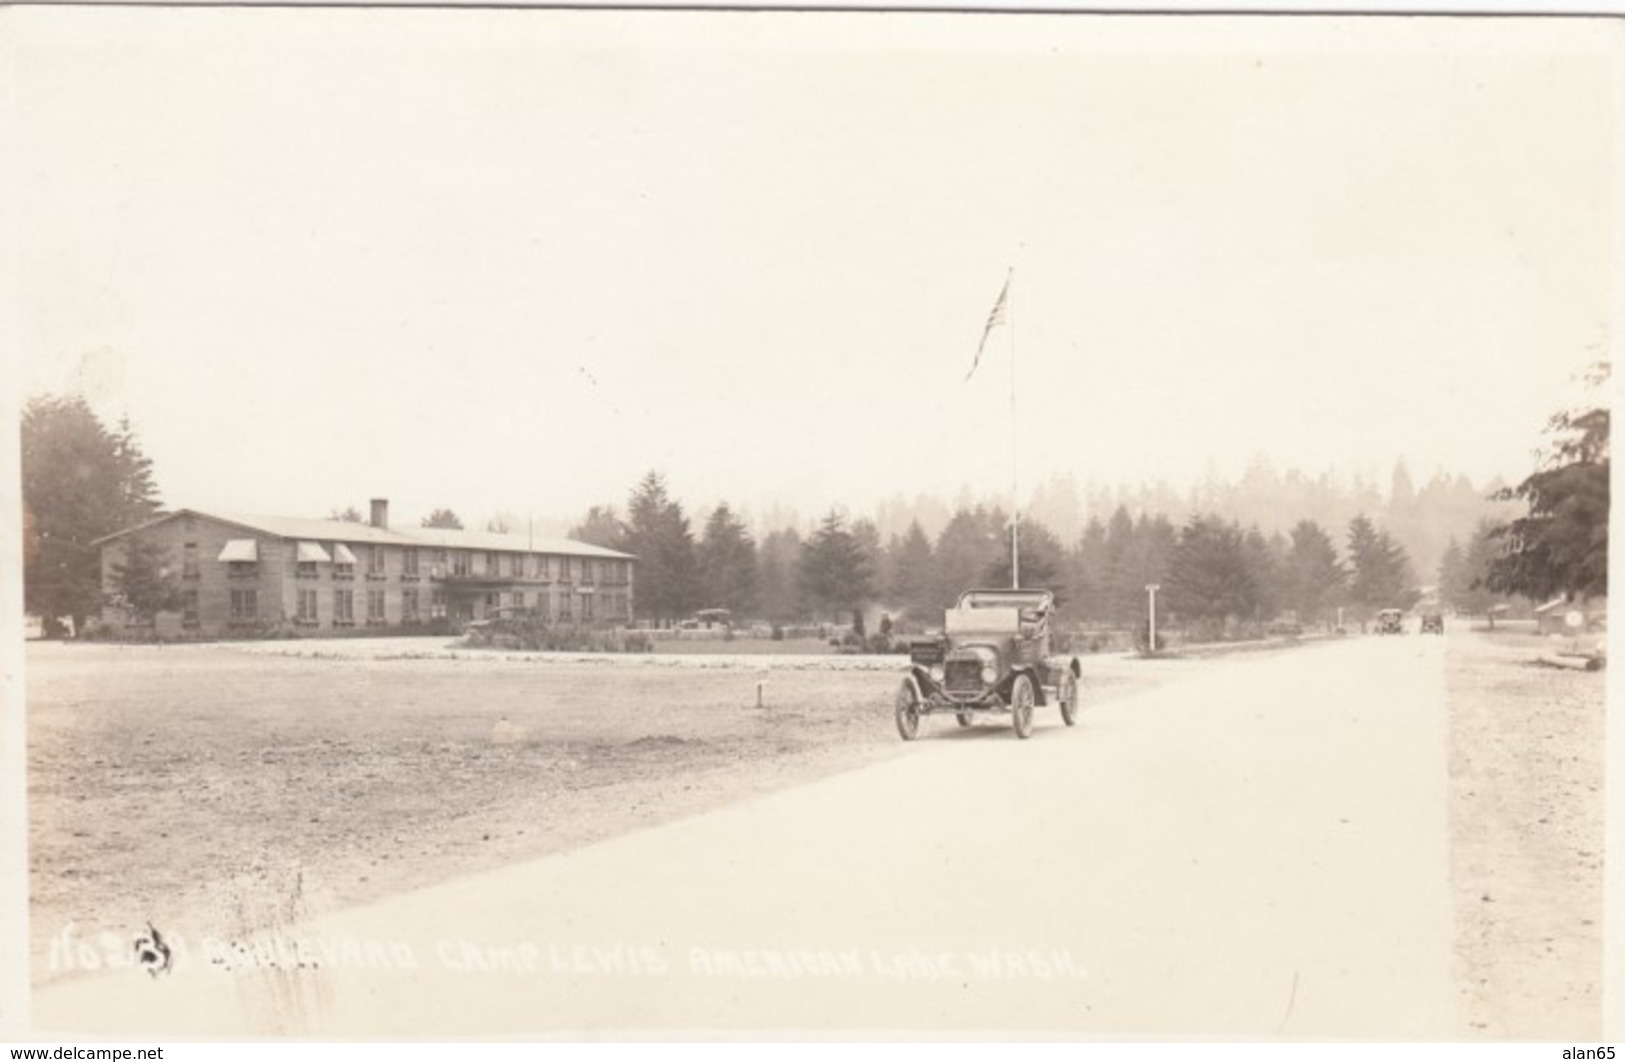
{"points": [[375, 563], [437, 604], [567, 568], [493, 600], [518, 562], [459, 562], [306, 613], [493, 563], [375, 606], [586, 607], [189, 561], [409, 563], [189, 609], [241, 557], [306, 555], [244, 605], [518, 599], [409, 605], [544, 568], [343, 608]]}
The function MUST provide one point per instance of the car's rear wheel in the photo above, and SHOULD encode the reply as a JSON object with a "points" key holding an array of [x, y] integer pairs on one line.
{"points": [[1068, 697], [908, 712], [1021, 706]]}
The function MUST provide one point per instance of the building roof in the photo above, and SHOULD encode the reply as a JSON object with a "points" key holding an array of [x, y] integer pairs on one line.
{"points": [[452, 538], [312, 530], [302, 529]]}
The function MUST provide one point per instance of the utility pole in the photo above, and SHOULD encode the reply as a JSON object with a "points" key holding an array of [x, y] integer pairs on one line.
{"points": [[1151, 603]]}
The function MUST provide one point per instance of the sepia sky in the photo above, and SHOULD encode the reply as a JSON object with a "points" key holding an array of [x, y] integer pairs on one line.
{"points": [[510, 261]]}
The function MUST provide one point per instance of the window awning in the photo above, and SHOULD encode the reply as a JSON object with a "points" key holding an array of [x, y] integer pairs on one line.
{"points": [[241, 549], [342, 554], [312, 551]]}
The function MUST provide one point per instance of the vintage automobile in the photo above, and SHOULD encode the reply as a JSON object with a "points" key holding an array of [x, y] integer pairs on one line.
{"points": [[993, 657], [1390, 621], [500, 627], [1432, 623]]}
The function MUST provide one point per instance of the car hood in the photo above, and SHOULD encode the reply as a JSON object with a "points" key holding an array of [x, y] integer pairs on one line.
{"points": [[985, 653]]}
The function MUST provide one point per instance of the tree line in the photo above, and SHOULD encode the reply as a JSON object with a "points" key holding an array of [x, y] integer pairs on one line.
{"points": [[83, 480], [1212, 572]]}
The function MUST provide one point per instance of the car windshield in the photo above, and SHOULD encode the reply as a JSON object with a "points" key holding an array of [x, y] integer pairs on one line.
{"points": [[1023, 599]]}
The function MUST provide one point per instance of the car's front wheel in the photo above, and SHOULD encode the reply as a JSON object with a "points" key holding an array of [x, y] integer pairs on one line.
{"points": [[1021, 706], [908, 712]]}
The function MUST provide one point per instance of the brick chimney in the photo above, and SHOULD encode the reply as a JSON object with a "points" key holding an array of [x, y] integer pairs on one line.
{"points": [[380, 513]]}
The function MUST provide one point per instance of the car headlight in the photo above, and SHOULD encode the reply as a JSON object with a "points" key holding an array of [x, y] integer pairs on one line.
{"points": [[937, 673], [989, 673]]}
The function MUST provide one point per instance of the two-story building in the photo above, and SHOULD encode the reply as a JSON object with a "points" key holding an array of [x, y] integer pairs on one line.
{"points": [[241, 574]]}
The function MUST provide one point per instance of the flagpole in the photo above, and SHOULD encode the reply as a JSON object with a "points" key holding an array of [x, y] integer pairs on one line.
{"points": [[1001, 315], [1015, 497]]}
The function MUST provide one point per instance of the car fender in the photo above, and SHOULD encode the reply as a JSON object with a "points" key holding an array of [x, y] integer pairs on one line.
{"points": [[1054, 665], [920, 679], [1009, 684]]}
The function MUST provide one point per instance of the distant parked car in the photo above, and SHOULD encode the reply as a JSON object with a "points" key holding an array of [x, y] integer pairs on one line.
{"points": [[1432, 623], [1390, 621], [501, 627]]}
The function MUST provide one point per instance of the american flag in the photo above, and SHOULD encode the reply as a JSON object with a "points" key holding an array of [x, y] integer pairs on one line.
{"points": [[997, 316]]}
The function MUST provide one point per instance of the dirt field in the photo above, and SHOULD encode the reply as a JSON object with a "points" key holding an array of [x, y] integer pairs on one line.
{"points": [[1527, 817], [214, 790]]}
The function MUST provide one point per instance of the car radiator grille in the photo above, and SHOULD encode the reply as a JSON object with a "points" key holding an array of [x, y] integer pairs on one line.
{"points": [[963, 676]]}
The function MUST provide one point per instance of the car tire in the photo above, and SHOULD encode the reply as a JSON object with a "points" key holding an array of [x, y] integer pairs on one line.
{"points": [[908, 712], [1068, 696], [1021, 705], [965, 719]]}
